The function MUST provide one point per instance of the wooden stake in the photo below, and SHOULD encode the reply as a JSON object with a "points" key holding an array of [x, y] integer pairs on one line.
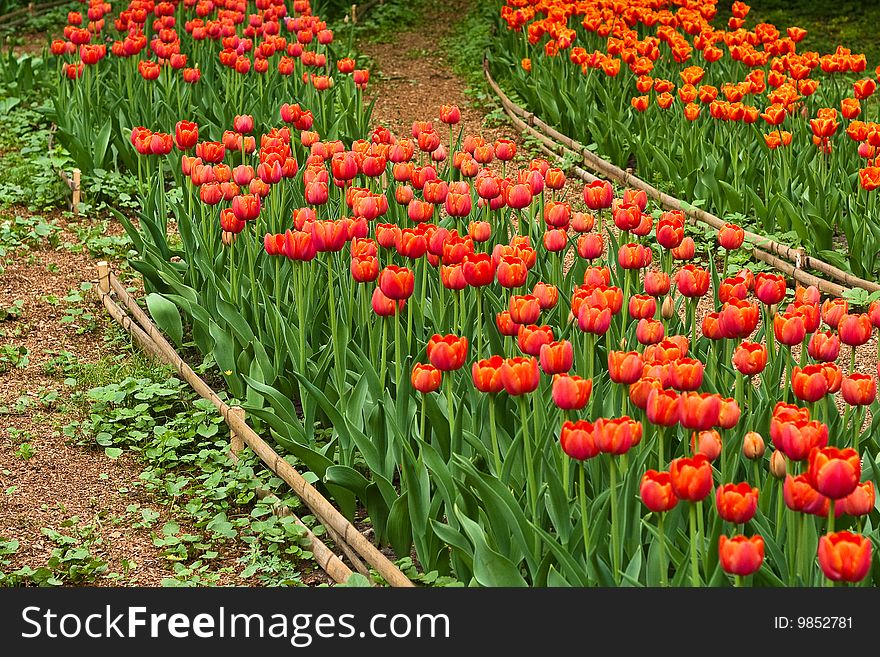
{"points": [[236, 442], [104, 276], [76, 190]]}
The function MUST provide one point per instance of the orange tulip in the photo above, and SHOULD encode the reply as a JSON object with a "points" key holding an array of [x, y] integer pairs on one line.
{"points": [[844, 556], [570, 392], [656, 491], [736, 503], [447, 352], [691, 478], [739, 555], [486, 374], [578, 440], [834, 472], [520, 375]]}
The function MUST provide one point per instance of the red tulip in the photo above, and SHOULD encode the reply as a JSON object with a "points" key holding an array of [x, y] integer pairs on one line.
{"points": [[833, 311], [733, 288], [686, 374], [548, 295], [750, 358], [859, 389], [486, 374], [524, 309], [447, 352], [186, 135], [650, 331], [707, 442], [855, 330], [691, 477], [617, 436], [641, 390], [594, 320], [425, 378], [663, 407], [556, 357], [506, 325], [578, 440], [730, 236], [590, 246], [625, 366], [246, 207], [858, 503], [520, 375], [824, 346], [799, 495], [685, 250], [364, 269], [770, 288], [656, 491], [699, 412], [627, 216], [397, 282], [670, 230], [736, 503], [789, 329], [642, 306], [834, 472], [738, 318], [809, 383], [729, 413], [512, 272], [844, 556], [571, 393], [740, 555], [598, 195], [692, 281], [657, 283], [384, 306]]}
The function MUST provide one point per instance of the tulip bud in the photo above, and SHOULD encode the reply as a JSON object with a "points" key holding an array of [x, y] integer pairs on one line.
{"points": [[753, 446], [667, 310], [778, 465], [708, 443]]}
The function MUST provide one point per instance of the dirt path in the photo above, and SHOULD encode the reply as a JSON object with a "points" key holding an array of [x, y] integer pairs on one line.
{"points": [[45, 479]]}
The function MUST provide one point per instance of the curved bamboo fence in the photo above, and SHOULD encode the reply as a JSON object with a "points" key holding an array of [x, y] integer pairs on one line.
{"points": [[143, 331], [793, 262]]}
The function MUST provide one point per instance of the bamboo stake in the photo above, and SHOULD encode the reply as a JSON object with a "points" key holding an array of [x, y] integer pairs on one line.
{"points": [[329, 516], [75, 187], [800, 258], [236, 443]]}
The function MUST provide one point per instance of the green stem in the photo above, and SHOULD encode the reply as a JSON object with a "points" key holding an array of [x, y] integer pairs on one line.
{"points": [[496, 451], [454, 439], [532, 486], [397, 364], [582, 497], [384, 350], [664, 568], [615, 529], [695, 565]]}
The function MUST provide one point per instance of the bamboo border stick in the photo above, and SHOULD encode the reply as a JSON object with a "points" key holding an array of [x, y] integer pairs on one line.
{"points": [[326, 513], [763, 247]]}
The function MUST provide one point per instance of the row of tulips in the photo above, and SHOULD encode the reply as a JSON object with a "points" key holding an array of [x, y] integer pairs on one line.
{"points": [[738, 117], [152, 62], [519, 383]]}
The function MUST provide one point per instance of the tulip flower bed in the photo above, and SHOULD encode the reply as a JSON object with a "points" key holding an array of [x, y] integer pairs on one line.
{"points": [[525, 382], [739, 118], [518, 384], [207, 60]]}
